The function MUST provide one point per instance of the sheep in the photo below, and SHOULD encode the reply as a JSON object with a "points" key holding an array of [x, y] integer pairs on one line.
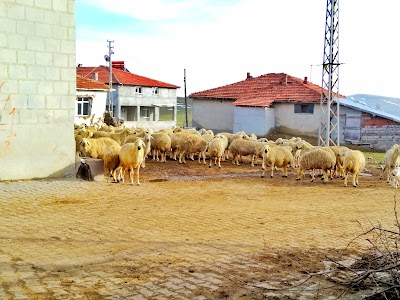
{"points": [[317, 158], [118, 137], [391, 160], [279, 157], [395, 177], [244, 147], [161, 143], [106, 149], [174, 141], [97, 148], [190, 144], [131, 157], [354, 161], [216, 148]]}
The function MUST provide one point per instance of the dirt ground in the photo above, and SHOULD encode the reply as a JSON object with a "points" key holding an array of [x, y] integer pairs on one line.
{"points": [[261, 237]]}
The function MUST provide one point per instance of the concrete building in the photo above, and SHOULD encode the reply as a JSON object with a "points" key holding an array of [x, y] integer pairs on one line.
{"points": [[259, 105], [91, 100], [138, 101], [37, 88], [283, 103]]}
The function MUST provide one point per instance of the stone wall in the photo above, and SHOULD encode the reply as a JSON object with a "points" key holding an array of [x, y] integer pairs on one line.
{"points": [[37, 88]]}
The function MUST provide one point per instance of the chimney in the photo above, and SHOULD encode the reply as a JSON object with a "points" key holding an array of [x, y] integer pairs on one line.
{"points": [[248, 75], [305, 80], [96, 76]]}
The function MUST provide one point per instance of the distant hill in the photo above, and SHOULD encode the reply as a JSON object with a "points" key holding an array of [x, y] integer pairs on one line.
{"points": [[386, 104]]}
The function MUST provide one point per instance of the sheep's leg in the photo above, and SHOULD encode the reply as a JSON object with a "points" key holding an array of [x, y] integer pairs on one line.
{"points": [[219, 162], [204, 157], [299, 174], [325, 175], [272, 170], [131, 173], [285, 171], [388, 175], [346, 175], [143, 165], [137, 175], [312, 175], [383, 171], [211, 159], [355, 179], [252, 160]]}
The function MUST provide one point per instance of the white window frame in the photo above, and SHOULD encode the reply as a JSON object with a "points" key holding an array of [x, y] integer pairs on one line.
{"points": [[80, 103], [138, 90], [145, 112], [154, 90]]}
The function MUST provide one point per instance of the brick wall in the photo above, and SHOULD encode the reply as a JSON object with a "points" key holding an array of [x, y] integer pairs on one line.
{"points": [[379, 132], [37, 88]]}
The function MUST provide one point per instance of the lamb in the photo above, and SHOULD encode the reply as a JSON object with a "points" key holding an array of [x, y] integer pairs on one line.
{"points": [[131, 157], [161, 143], [354, 161], [317, 158], [216, 148], [391, 160], [190, 144], [279, 157], [395, 177]]}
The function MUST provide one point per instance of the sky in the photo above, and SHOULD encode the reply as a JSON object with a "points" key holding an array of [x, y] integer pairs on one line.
{"points": [[218, 42]]}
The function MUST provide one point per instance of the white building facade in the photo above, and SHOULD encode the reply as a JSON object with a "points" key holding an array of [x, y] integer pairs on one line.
{"points": [[37, 89]]}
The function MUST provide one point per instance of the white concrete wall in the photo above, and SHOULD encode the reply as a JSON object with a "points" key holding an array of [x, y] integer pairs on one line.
{"points": [[98, 106], [37, 88], [257, 120], [304, 123], [216, 115]]}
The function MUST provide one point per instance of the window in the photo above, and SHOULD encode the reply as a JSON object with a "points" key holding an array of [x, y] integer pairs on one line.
{"points": [[154, 90], [166, 113], [145, 112], [304, 108], [138, 90], [84, 106]]}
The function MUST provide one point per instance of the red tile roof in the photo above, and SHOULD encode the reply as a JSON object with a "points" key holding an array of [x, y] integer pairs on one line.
{"points": [[89, 84], [264, 90], [121, 77]]}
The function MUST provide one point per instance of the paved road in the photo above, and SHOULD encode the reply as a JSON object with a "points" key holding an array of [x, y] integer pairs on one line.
{"points": [[70, 239]]}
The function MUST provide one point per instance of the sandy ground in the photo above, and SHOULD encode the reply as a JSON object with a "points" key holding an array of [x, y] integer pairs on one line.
{"points": [[245, 236]]}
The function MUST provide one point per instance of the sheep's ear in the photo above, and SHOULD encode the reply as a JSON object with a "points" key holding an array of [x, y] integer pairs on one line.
{"points": [[88, 143], [91, 134]]}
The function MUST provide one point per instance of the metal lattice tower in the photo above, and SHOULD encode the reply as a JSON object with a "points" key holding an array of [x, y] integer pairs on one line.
{"points": [[329, 103]]}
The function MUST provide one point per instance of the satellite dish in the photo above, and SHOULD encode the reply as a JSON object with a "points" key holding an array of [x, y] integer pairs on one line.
{"points": [[106, 57]]}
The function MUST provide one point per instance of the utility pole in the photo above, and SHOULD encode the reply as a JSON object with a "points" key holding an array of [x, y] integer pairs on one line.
{"points": [[330, 123], [110, 95], [186, 113]]}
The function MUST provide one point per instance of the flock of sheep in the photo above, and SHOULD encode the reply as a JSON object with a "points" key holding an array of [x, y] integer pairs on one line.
{"points": [[126, 149]]}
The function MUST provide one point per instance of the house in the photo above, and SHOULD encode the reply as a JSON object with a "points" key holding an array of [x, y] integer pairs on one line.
{"points": [[370, 120], [284, 103], [91, 99], [259, 105], [138, 101]]}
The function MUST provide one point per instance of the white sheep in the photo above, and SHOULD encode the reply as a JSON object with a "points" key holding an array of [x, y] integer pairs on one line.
{"points": [[280, 157], [118, 137], [391, 160], [395, 177], [161, 143], [316, 158], [190, 144], [106, 149], [354, 162], [131, 157], [241, 147], [217, 148]]}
